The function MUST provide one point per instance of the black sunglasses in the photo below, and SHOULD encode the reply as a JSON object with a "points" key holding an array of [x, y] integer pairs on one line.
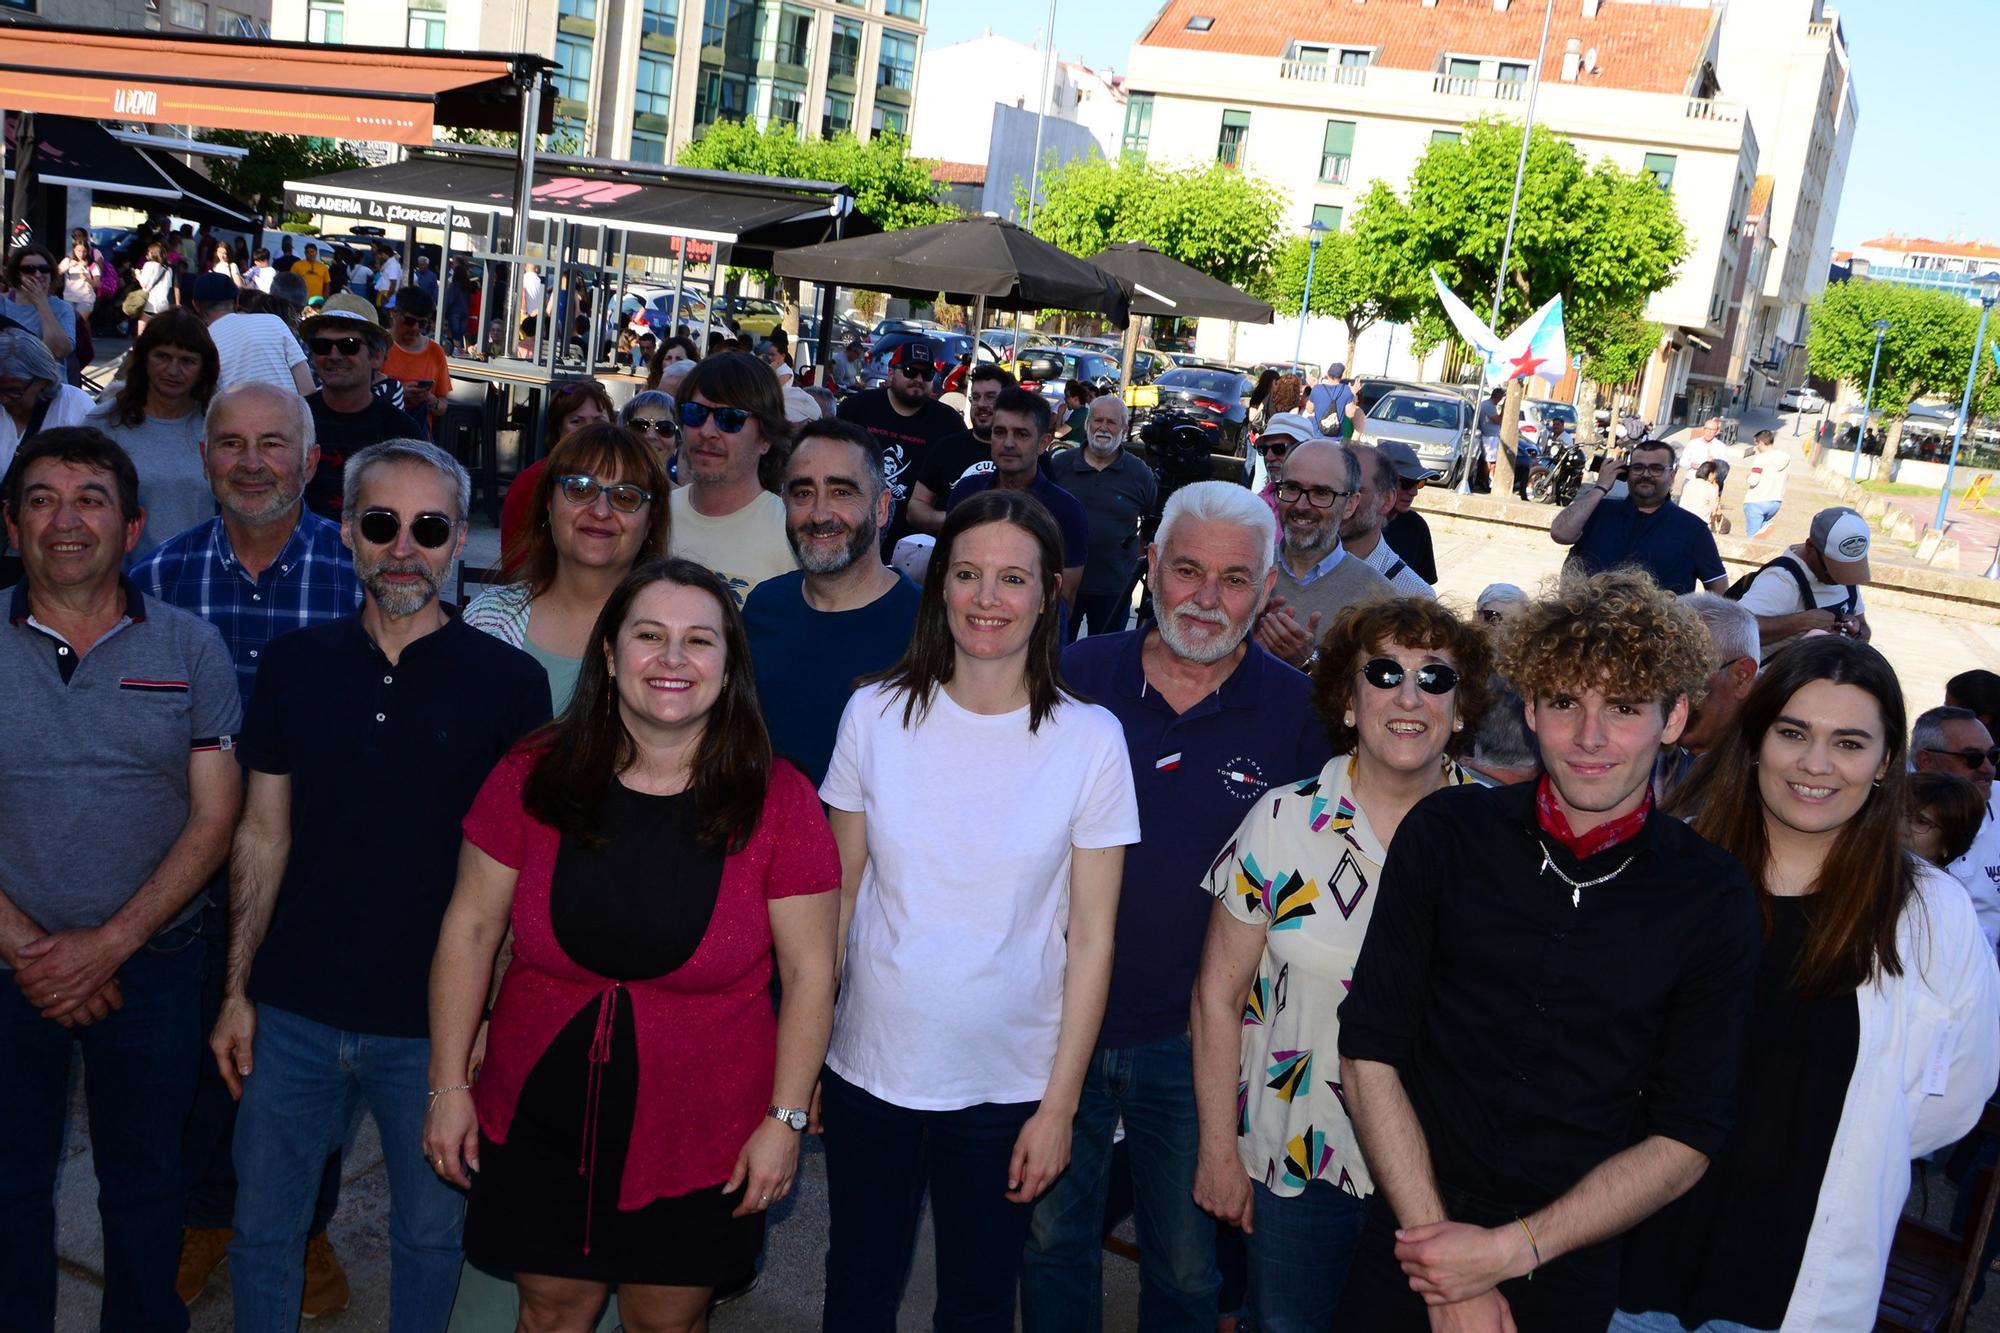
{"points": [[653, 426], [1385, 673], [34, 268], [1970, 758], [381, 527], [328, 346], [922, 370], [728, 420], [1281, 445], [581, 489]]}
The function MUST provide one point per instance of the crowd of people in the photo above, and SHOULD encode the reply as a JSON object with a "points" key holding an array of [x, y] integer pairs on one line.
{"points": [[1592, 958]]}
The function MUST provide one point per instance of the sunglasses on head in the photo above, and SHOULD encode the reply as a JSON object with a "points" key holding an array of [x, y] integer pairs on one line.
{"points": [[349, 346], [1970, 758], [1386, 673], [581, 489], [381, 526], [728, 420], [653, 426]]}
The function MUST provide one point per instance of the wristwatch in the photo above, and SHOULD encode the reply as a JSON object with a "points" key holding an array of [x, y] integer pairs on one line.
{"points": [[789, 1116]]}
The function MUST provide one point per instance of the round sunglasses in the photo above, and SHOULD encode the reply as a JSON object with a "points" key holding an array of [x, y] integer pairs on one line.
{"points": [[653, 426], [1385, 673], [581, 489], [728, 420], [381, 526]]}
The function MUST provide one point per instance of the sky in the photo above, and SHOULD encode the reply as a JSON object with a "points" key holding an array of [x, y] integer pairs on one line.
{"points": [[1921, 75]]}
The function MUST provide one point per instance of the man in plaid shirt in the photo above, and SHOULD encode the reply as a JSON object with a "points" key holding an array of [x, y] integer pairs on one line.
{"points": [[265, 565]]}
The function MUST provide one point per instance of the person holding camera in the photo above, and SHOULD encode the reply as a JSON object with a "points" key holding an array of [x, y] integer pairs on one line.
{"points": [[1815, 586], [1643, 529]]}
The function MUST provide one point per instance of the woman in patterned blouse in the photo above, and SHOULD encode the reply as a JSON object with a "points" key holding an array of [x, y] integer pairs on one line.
{"points": [[1399, 685]]}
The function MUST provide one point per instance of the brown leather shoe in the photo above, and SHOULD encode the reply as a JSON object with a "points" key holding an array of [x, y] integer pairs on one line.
{"points": [[326, 1282], [202, 1251]]}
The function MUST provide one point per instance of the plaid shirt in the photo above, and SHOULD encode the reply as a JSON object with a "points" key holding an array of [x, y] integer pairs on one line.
{"points": [[311, 582]]}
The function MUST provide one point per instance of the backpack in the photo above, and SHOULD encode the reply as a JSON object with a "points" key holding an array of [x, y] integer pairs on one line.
{"points": [[1791, 566]]}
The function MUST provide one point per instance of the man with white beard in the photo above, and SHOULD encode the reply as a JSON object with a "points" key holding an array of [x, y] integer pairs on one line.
{"points": [[1211, 720], [1117, 491]]}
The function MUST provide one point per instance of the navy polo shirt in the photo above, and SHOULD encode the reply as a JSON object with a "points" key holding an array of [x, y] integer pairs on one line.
{"points": [[384, 761], [1197, 774], [1066, 509], [1670, 543]]}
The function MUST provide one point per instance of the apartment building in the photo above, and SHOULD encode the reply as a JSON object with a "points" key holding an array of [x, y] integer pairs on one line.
{"points": [[1916, 261], [963, 81], [625, 88], [221, 18], [1323, 98]]}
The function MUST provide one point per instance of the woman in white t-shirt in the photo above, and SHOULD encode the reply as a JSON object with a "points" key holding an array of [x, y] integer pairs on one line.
{"points": [[221, 259], [982, 814]]}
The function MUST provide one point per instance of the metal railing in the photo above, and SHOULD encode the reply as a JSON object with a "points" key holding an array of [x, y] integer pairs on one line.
{"points": [[1714, 109]]}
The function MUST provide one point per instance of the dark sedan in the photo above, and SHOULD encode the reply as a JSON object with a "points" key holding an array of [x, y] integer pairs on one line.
{"points": [[1213, 398]]}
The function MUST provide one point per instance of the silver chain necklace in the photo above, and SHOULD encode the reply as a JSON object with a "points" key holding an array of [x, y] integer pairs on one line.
{"points": [[1576, 887]]}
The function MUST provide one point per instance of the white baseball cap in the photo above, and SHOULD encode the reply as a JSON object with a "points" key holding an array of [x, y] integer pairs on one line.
{"points": [[1294, 425], [1841, 537]]}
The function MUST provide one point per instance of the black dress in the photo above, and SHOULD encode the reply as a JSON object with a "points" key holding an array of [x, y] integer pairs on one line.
{"points": [[633, 908]]}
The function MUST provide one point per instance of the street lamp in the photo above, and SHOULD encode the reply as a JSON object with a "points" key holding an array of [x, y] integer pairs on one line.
{"points": [[1989, 291], [1314, 231], [1882, 327]]}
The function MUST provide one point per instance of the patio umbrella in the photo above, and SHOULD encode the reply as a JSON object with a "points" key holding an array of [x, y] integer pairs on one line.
{"points": [[968, 260], [1188, 292]]}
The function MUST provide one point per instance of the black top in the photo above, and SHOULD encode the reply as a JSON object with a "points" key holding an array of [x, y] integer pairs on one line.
{"points": [[1670, 543], [637, 904], [906, 442], [1410, 537], [1731, 1247], [343, 433], [949, 459], [1538, 1029], [384, 761], [1117, 501]]}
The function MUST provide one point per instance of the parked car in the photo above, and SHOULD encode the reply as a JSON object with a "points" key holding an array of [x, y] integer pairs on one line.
{"points": [[949, 349], [889, 326], [1305, 370], [1217, 401], [1148, 363], [751, 314], [1048, 369], [1801, 399], [1368, 392], [1438, 424]]}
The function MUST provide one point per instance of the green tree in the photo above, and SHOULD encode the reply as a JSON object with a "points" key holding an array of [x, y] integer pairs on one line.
{"points": [[891, 188], [1354, 280], [270, 160], [1221, 221], [1924, 353]]}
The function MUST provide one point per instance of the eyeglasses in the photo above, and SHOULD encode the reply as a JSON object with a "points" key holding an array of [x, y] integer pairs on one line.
{"points": [[1646, 469], [653, 426], [1386, 673], [581, 489], [1319, 497], [728, 420], [414, 322], [429, 531], [1973, 759], [344, 346], [1492, 617]]}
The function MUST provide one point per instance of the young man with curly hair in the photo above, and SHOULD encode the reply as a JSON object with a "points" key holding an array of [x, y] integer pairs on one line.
{"points": [[1540, 1043]]}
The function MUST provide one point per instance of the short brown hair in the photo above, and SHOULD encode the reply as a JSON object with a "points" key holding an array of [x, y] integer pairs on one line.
{"points": [[1618, 631], [1410, 622]]}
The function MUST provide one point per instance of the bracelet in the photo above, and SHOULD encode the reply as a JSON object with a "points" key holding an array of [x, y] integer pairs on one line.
{"points": [[436, 1093], [1600, 486], [1534, 1248]]}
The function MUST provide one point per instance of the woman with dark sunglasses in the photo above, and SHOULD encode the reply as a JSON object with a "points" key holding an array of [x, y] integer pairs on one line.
{"points": [[602, 508], [656, 417], [1399, 685], [573, 404]]}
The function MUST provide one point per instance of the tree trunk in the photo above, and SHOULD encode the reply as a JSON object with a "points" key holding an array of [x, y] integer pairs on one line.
{"points": [[788, 289], [1510, 440], [1353, 341]]}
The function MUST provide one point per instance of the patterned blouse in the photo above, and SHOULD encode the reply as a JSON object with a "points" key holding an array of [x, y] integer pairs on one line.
{"points": [[1302, 866]]}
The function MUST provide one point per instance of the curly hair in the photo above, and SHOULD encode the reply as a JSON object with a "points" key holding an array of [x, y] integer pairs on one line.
{"points": [[1618, 632], [1285, 395], [1366, 628]]}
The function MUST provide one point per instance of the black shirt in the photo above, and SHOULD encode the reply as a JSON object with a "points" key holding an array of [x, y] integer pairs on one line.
{"points": [[948, 460], [1536, 1035], [906, 442], [1116, 500], [1410, 537], [1669, 543], [344, 433], [1730, 1248], [637, 903], [384, 762]]}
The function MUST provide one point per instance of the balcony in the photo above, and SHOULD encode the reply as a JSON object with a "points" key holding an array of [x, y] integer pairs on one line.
{"points": [[1714, 110], [1500, 90], [1318, 71]]}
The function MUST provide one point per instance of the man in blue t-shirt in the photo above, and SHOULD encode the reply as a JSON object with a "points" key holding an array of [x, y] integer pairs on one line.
{"points": [[1211, 721], [1333, 405], [842, 614], [1020, 438], [1644, 529]]}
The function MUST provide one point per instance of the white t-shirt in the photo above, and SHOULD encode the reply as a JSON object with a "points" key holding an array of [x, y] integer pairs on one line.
{"points": [[391, 276], [255, 347], [261, 276], [745, 547], [953, 983], [1776, 593], [1698, 451], [1767, 476], [1979, 871]]}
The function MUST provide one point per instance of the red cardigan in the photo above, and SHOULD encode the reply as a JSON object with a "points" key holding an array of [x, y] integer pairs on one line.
{"points": [[707, 1036]]}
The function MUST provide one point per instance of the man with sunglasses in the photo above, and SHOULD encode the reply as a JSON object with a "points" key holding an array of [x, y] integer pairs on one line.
{"points": [[732, 418], [1645, 528], [907, 422], [348, 345], [1284, 432], [1316, 576], [1955, 741], [416, 361], [1361, 532], [366, 740], [1405, 530]]}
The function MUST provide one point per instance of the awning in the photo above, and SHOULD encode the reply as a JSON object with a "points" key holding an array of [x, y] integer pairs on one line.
{"points": [[201, 197], [83, 154], [344, 92]]}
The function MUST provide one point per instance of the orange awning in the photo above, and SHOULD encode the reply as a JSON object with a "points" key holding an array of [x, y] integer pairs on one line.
{"points": [[342, 92]]}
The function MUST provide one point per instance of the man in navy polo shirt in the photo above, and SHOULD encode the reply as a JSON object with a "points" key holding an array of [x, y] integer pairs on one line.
{"points": [[366, 740], [117, 797], [1211, 720], [1644, 529], [1020, 437]]}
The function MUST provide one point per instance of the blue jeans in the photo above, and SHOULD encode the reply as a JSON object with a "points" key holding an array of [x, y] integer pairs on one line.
{"points": [[138, 1079], [1299, 1252], [1152, 1088], [880, 1158], [1656, 1322], [305, 1091], [1758, 517]]}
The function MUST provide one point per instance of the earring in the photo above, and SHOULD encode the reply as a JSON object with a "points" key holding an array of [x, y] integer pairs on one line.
{"points": [[1347, 718], [1458, 725]]}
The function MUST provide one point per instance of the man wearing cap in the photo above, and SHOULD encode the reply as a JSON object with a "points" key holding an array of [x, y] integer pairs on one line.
{"points": [[1333, 405], [1815, 585], [1315, 576], [348, 345], [1284, 432], [315, 273], [249, 347], [1405, 530], [907, 421], [1644, 529], [1119, 493], [1361, 530]]}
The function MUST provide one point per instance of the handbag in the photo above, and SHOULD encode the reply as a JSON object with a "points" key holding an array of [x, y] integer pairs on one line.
{"points": [[1718, 523], [134, 302]]}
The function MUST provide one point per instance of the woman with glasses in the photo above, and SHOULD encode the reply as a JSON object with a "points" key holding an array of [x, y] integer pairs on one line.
{"points": [[656, 417], [29, 301], [978, 948], [1874, 1029], [415, 360], [573, 404], [641, 1102], [157, 417], [1399, 685], [602, 508]]}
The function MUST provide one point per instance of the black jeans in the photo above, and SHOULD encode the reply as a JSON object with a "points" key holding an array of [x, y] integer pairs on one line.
{"points": [[880, 1158]]}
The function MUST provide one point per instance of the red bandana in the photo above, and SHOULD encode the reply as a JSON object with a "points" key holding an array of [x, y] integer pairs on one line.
{"points": [[1583, 846]]}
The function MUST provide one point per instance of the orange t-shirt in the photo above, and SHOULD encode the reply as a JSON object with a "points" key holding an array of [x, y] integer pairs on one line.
{"points": [[428, 364]]}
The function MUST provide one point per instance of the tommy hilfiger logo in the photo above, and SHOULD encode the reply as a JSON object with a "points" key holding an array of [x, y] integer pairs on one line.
{"points": [[1243, 779]]}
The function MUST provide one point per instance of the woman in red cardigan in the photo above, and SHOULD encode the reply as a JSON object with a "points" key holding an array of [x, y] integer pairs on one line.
{"points": [[639, 1107]]}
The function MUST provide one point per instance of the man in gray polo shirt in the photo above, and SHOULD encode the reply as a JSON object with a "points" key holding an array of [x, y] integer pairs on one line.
{"points": [[117, 799], [1316, 576]]}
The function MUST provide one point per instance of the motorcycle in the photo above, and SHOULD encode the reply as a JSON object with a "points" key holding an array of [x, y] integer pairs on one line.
{"points": [[1558, 478]]}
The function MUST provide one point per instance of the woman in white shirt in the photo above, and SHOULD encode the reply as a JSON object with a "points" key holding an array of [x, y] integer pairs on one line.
{"points": [[32, 392], [982, 814], [80, 273], [221, 259], [156, 279], [1874, 1031]]}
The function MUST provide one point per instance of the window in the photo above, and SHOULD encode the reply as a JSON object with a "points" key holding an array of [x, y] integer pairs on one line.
{"points": [[843, 60], [228, 23], [1353, 56], [1336, 152], [577, 9], [1462, 69], [654, 94], [427, 32], [325, 21], [648, 146], [573, 78], [1138, 123], [1235, 130], [1660, 166], [659, 19], [1511, 73], [1312, 55], [897, 67], [1200, 23], [904, 9], [793, 44], [1328, 215], [787, 105], [1444, 136], [720, 97], [836, 116], [189, 14], [891, 120]]}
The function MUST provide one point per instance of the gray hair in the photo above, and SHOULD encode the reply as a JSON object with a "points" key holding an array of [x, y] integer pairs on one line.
{"points": [[1223, 502], [302, 418], [1503, 739], [1732, 627], [650, 398], [673, 373], [1927, 733], [404, 451], [26, 357], [1124, 413]]}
